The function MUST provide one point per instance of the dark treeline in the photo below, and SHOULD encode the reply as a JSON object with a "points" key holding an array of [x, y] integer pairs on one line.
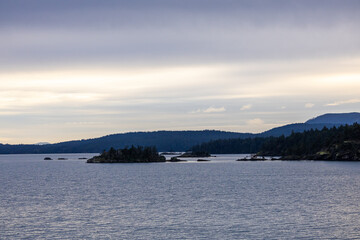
{"points": [[301, 144], [231, 146]]}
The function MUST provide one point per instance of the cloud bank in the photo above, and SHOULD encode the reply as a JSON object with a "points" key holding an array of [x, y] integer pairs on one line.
{"points": [[143, 65]]}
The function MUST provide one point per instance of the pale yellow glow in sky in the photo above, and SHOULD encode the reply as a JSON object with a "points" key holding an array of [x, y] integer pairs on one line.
{"points": [[117, 96], [81, 86]]}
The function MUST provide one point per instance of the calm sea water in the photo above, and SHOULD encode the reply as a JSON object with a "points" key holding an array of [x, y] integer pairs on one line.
{"points": [[221, 199]]}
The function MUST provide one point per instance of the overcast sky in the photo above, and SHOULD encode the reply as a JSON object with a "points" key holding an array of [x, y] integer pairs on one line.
{"points": [[75, 69]]}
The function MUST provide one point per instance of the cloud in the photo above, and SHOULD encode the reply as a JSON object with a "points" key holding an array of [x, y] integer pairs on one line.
{"points": [[139, 65], [210, 110], [246, 107], [134, 32], [343, 102], [255, 121], [309, 105]]}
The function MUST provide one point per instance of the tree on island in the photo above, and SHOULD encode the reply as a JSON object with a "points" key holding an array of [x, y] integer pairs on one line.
{"points": [[129, 155]]}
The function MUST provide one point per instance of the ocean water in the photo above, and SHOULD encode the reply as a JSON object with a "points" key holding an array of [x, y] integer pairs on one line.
{"points": [[221, 199]]}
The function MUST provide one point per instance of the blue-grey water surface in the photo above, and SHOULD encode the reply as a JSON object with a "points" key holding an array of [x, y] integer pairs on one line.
{"points": [[221, 199]]}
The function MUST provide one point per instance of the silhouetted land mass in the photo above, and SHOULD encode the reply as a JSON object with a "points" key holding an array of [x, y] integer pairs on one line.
{"points": [[336, 118], [180, 141], [203, 160], [175, 159], [231, 146], [328, 120], [342, 143], [287, 130], [129, 155]]}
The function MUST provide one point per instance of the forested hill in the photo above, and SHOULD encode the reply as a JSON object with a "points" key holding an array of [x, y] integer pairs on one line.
{"points": [[342, 143], [231, 146], [336, 118], [162, 140]]}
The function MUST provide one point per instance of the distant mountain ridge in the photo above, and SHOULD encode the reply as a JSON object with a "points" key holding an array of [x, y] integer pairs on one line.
{"points": [[286, 130], [174, 140], [336, 118], [328, 120], [163, 140]]}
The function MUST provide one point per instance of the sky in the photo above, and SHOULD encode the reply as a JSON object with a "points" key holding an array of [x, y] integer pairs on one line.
{"points": [[78, 69]]}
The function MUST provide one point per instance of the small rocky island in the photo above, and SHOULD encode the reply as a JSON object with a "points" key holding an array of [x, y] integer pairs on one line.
{"points": [[129, 155], [195, 154], [203, 160], [175, 159], [253, 157]]}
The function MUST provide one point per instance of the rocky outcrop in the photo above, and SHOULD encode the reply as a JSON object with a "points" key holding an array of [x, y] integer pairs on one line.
{"points": [[252, 158], [346, 151], [175, 159], [203, 160], [195, 154]]}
